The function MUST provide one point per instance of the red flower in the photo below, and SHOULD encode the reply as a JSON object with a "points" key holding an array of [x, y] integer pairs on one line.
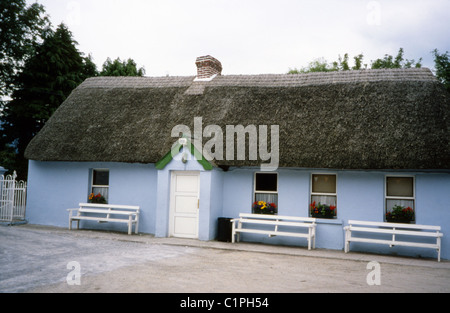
{"points": [[273, 205], [332, 207]]}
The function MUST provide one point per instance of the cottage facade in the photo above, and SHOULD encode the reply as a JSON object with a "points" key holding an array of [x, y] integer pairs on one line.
{"points": [[361, 142]]}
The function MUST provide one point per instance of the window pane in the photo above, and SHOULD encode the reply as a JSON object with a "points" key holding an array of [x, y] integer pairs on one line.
{"points": [[267, 197], [100, 178], [266, 181], [328, 200], [399, 186], [390, 203], [104, 191], [324, 183]]}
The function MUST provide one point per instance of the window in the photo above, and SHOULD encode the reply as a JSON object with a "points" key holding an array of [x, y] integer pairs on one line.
{"points": [[323, 196], [266, 189], [400, 199], [100, 183]]}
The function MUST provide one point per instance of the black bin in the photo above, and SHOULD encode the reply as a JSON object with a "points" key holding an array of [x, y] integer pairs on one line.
{"points": [[224, 230]]}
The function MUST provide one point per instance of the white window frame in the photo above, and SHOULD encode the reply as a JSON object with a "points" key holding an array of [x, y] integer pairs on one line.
{"points": [[386, 197], [311, 193], [264, 191], [99, 186]]}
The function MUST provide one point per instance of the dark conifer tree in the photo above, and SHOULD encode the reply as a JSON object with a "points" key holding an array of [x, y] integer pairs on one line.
{"points": [[48, 77]]}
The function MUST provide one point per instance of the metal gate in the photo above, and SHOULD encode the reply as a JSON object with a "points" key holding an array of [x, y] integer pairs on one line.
{"points": [[13, 195]]}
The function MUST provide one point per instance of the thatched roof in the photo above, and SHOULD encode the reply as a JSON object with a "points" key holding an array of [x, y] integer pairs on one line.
{"points": [[368, 119]]}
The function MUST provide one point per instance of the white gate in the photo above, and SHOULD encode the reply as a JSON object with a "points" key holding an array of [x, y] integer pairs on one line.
{"points": [[13, 196]]}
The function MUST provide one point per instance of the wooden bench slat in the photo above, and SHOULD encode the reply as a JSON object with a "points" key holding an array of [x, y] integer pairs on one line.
{"points": [[279, 223], [107, 206], [277, 217], [395, 231], [100, 219], [395, 225], [397, 243], [107, 212], [271, 232]]}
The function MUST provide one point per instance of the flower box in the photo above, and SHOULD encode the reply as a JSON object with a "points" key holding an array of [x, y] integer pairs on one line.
{"points": [[98, 198], [322, 210], [262, 207], [400, 214]]}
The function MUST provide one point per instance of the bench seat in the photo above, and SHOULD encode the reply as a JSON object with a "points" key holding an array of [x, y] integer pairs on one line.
{"points": [[106, 213], [275, 221], [414, 231]]}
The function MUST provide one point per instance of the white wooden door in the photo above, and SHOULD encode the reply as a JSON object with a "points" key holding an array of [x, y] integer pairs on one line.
{"points": [[184, 204]]}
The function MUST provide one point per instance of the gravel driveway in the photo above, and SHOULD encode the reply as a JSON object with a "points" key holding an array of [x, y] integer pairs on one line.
{"points": [[47, 259]]}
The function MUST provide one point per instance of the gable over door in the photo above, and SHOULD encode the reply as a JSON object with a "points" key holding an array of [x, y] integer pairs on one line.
{"points": [[184, 204]]}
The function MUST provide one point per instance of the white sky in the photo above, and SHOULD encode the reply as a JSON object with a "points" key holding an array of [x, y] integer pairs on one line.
{"points": [[251, 36]]}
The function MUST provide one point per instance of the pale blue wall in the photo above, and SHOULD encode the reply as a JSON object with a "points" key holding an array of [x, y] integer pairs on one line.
{"points": [[360, 196], [53, 187]]}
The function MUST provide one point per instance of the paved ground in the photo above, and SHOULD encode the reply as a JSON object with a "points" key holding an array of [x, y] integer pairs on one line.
{"points": [[38, 259]]}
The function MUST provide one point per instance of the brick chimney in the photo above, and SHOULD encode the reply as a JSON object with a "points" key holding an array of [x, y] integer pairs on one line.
{"points": [[207, 67]]}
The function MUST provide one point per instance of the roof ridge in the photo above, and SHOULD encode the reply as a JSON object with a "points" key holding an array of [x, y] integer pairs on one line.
{"points": [[264, 80]]}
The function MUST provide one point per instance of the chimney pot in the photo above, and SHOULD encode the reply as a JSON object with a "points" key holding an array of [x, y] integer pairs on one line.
{"points": [[208, 67]]}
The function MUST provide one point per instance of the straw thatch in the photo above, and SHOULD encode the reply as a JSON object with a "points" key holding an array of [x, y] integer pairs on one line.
{"points": [[369, 119]]}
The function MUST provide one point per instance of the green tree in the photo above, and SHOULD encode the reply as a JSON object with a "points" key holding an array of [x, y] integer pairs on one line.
{"points": [[398, 62], [21, 27], [321, 65], [442, 67], [318, 65], [49, 75], [358, 62], [121, 68], [342, 64]]}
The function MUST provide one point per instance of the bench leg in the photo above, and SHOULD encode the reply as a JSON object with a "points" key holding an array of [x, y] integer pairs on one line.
{"points": [[234, 236], [130, 225], [346, 244], [309, 238], [233, 231], [439, 248], [70, 224]]}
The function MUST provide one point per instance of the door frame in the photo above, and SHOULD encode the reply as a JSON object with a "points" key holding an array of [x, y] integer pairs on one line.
{"points": [[173, 176]]}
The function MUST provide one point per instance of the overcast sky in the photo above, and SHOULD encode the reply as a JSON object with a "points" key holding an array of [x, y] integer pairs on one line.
{"points": [[252, 36]]}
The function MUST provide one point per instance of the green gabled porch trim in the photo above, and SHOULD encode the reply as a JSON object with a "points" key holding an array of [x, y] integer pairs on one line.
{"points": [[176, 149]]}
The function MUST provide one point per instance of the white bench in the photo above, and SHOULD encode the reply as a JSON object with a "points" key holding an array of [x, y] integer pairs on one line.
{"points": [[275, 221], [393, 229], [106, 213]]}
